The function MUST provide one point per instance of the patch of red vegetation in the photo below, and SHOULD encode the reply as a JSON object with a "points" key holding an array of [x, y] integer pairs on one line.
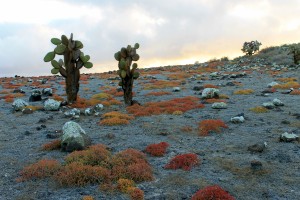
{"points": [[53, 145], [210, 125], [165, 107], [210, 86], [157, 149], [183, 161], [214, 100], [295, 92], [214, 192], [160, 93]]}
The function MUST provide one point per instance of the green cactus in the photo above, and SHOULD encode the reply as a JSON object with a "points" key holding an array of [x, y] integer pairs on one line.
{"points": [[73, 61], [126, 71]]}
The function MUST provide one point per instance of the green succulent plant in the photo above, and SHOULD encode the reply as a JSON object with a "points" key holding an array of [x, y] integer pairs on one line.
{"points": [[69, 67], [127, 70]]}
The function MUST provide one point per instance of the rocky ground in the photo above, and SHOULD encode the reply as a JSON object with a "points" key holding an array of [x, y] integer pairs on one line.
{"points": [[226, 157]]}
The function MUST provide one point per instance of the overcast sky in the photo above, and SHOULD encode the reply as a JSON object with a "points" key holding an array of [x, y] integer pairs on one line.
{"points": [[169, 31]]}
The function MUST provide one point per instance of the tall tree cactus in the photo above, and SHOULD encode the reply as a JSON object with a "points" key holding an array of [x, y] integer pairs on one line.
{"points": [[69, 67], [126, 71], [295, 51]]}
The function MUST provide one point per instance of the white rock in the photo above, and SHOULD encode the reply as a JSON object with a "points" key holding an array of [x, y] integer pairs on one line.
{"points": [[19, 104], [268, 105], [176, 89], [237, 119], [98, 107], [288, 137], [210, 93], [219, 105], [273, 84], [51, 105], [277, 102]]}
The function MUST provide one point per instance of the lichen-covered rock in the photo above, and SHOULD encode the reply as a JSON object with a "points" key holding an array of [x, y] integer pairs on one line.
{"points": [[72, 113], [51, 105], [219, 105], [47, 92], [237, 119], [98, 107], [273, 84], [88, 111], [19, 104], [36, 95], [277, 102], [74, 137], [268, 105], [288, 137], [209, 93]]}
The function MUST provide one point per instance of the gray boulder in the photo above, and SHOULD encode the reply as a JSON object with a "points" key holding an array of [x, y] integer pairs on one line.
{"points": [[19, 104], [51, 105], [277, 102], [209, 93], [288, 137], [74, 137], [219, 105]]}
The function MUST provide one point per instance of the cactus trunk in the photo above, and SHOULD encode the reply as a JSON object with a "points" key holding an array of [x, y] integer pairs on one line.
{"points": [[72, 84], [127, 89]]}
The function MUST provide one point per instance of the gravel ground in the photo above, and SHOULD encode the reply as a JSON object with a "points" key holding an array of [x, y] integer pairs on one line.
{"points": [[225, 159]]}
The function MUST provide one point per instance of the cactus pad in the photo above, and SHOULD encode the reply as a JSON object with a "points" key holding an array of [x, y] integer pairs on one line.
{"points": [[56, 41], [49, 56], [55, 64], [54, 71], [60, 49], [88, 65]]}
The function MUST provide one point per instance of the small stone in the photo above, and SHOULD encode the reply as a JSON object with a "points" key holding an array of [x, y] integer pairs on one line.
{"points": [[176, 89], [219, 105], [288, 137], [19, 104], [277, 102], [256, 165], [47, 92], [257, 148], [36, 95], [98, 107], [237, 119], [27, 111], [198, 88], [208, 93], [272, 84], [268, 105], [51, 105]]}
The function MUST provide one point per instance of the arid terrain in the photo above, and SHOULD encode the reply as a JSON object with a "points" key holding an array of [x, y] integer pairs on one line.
{"points": [[247, 159]]}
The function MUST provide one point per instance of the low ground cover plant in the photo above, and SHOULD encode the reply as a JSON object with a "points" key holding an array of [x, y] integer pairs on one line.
{"points": [[211, 125]]}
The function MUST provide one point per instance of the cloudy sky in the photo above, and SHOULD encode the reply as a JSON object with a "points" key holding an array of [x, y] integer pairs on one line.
{"points": [[169, 31]]}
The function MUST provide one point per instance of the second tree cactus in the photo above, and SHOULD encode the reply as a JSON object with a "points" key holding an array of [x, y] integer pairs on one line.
{"points": [[127, 70]]}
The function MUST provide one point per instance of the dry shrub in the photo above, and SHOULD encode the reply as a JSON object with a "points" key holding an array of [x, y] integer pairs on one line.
{"points": [[42, 169], [244, 92], [178, 76], [114, 92], [123, 184], [210, 86], [295, 92], [214, 192], [160, 93], [160, 84], [78, 174], [287, 85], [186, 129], [259, 109], [53, 145], [209, 125], [214, 100], [131, 164], [183, 161], [136, 193], [165, 107], [286, 80], [34, 108], [157, 149], [101, 96], [115, 118], [94, 155], [57, 98], [87, 197]]}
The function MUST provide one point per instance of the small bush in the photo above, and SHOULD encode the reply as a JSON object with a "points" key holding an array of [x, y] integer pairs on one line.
{"points": [[157, 149], [259, 109], [135, 193], [87, 197], [244, 92], [161, 93], [124, 184], [295, 92], [94, 155], [214, 192], [131, 164], [183, 161], [53, 145], [42, 169], [115, 118], [77, 174], [165, 107], [210, 125], [287, 85]]}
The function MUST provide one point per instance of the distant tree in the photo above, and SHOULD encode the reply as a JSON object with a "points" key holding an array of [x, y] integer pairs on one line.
{"points": [[251, 47], [295, 51]]}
